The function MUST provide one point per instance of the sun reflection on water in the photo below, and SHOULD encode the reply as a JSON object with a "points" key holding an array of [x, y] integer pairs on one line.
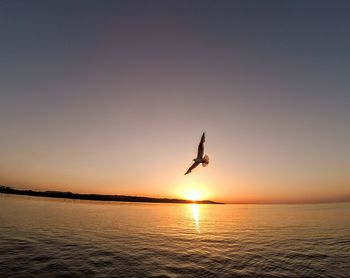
{"points": [[195, 214]]}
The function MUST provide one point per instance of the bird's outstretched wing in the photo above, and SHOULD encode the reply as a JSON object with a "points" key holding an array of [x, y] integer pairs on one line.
{"points": [[194, 165], [201, 147]]}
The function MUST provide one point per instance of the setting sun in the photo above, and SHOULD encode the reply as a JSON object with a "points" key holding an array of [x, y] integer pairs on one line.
{"points": [[193, 195], [193, 189]]}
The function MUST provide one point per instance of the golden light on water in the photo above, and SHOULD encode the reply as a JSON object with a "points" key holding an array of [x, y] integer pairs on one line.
{"points": [[195, 215]]}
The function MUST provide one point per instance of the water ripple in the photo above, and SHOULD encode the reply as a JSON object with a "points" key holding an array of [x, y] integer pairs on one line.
{"points": [[84, 239]]}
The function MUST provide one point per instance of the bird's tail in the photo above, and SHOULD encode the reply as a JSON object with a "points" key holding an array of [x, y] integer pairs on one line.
{"points": [[205, 160]]}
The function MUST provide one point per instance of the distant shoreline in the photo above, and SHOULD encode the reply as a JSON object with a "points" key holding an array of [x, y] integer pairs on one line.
{"points": [[99, 197]]}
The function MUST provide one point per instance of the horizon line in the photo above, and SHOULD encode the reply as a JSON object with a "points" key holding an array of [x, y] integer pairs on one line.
{"points": [[345, 199]]}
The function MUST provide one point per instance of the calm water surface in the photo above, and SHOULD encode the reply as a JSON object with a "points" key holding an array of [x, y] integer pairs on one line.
{"points": [[41, 237]]}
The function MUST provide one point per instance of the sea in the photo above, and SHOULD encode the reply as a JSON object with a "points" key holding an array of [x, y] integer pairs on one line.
{"points": [[45, 237]]}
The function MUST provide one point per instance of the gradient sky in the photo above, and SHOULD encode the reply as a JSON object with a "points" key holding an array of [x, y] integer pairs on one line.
{"points": [[111, 97]]}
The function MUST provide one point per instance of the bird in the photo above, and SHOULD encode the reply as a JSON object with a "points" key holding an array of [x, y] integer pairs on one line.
{"points": [[201, 158]]}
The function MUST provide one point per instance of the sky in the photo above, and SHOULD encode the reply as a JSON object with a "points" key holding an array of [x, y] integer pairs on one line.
{"points": [[112, 97]]}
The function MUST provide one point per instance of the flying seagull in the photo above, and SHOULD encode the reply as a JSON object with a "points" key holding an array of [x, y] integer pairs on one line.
{"points": [[201, 158]]}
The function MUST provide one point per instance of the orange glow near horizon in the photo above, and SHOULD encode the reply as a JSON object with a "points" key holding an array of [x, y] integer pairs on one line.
{"points": [[193, 195], [193, 190]]}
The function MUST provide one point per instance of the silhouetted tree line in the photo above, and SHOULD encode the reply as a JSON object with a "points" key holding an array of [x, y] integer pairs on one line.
{"points": [[5, 188], [97, 197]]}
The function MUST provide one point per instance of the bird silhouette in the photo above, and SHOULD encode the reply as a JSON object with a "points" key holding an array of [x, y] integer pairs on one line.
{"points": [[201, 158]]}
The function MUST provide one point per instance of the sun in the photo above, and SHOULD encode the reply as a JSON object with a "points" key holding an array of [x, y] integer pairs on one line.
{"points": [[193, 195], [192, 189]]}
